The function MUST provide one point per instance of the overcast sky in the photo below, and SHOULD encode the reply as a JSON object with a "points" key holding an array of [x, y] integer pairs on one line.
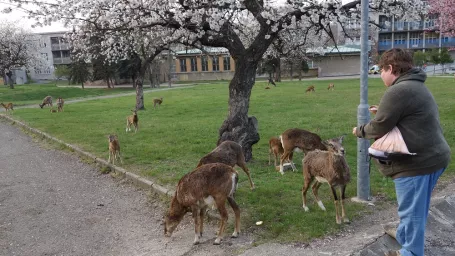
{"points": [[21, 19]]}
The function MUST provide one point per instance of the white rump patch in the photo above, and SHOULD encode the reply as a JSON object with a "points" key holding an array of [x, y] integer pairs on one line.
{"points": [[297, 150], [234, 187], [209, 201], [322, 180]]}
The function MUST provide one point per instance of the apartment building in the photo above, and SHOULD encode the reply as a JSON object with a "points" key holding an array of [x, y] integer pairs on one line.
{"points": [[415, 35], [54, 50]]}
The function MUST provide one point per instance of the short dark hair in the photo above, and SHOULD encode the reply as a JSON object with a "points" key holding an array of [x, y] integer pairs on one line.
{"points": [[400, 59]]}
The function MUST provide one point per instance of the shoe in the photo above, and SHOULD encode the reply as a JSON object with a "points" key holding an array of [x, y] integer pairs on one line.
{"points": [[392, 253], [391, 229]]}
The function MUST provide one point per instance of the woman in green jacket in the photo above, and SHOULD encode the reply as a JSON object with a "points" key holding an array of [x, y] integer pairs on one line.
{"points": [[408, 105]]}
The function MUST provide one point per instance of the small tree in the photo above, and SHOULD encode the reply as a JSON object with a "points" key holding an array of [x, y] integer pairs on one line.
{"points": [[79, 72], [420, 58], [61, 71], [303, 67], [445, 58]]}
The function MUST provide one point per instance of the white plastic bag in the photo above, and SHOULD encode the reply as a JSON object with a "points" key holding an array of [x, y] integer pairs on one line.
{"points": [[391, 144]]}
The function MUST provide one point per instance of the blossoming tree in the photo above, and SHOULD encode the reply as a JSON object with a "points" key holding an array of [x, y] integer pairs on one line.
{"points": [[18, 48], [446, 11], [216, 23]]}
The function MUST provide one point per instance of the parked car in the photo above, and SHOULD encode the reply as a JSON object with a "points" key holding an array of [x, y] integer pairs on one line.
{"points": [[374, 70], [450, 70]]}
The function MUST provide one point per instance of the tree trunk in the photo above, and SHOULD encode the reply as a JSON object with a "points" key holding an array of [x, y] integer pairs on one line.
{"points": [[139, 95], [10, 80], [238, 126], [278, 71], [150, 75], [291, 63], [169, 74]]}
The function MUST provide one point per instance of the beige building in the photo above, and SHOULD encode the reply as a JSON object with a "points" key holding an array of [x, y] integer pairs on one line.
{"points": [[332, 61], [211, 64]]}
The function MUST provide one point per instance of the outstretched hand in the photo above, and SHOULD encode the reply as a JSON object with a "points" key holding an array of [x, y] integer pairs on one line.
{"points": [[373, 109]]}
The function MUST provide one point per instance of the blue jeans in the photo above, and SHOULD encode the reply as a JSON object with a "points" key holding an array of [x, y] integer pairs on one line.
{"points": [[413, 196]]}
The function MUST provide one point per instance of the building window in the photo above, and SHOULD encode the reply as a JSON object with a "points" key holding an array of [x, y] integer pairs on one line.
{"points": [[414, 39], [182, 65], [215, 64], [65, 54], [56, 54], [385, 39], [204, 64], [432, 38], [353, 24], [385, 22], [399, 25], [227, 63], [400, 39], [54, 40], [193, 64]]}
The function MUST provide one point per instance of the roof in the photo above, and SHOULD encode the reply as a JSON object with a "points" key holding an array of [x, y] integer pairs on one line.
{"points": [[210, 50], [335, 50]]}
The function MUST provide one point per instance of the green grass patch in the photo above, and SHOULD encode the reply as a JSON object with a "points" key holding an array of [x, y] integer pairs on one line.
{"points": [[173, 137], [29, 94]]}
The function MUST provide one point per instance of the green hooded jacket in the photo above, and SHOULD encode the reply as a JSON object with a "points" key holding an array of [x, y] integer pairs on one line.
{"points": [[409, 105]]}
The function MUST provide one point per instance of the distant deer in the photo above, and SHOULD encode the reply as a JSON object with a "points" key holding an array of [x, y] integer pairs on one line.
{"points": [[60, 103], [310, 89], [327, 167], [46, 101], [8, 107], [157, 102], [132, 120], [206, 185], [114, 149], [230, 153], [299, 140], [275, 148], [331, 87], [52, 110]]}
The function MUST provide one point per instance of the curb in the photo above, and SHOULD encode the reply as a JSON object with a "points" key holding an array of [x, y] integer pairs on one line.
{"points": [[136, 179]]}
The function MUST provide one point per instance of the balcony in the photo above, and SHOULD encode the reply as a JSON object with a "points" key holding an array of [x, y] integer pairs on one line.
{"points": [[432, 43], [384, 45], [430, 25], [416, 25], [448, 42], [61, 46], [415, 44], [66, 60]]}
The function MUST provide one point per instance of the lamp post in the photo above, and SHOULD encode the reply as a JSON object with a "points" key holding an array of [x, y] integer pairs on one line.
{"points": [[363, 116]]}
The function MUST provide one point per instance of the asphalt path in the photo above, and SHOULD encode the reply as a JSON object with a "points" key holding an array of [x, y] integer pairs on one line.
{"points": [[52, 203]]}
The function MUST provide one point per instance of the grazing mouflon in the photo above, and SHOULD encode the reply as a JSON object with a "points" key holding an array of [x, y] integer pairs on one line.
{"points": [[230, 153], [206, 185], [46, 101]]}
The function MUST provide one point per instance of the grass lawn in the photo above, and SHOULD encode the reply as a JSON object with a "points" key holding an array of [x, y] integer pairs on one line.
{"points": [[173, 137], [28, 94]]}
